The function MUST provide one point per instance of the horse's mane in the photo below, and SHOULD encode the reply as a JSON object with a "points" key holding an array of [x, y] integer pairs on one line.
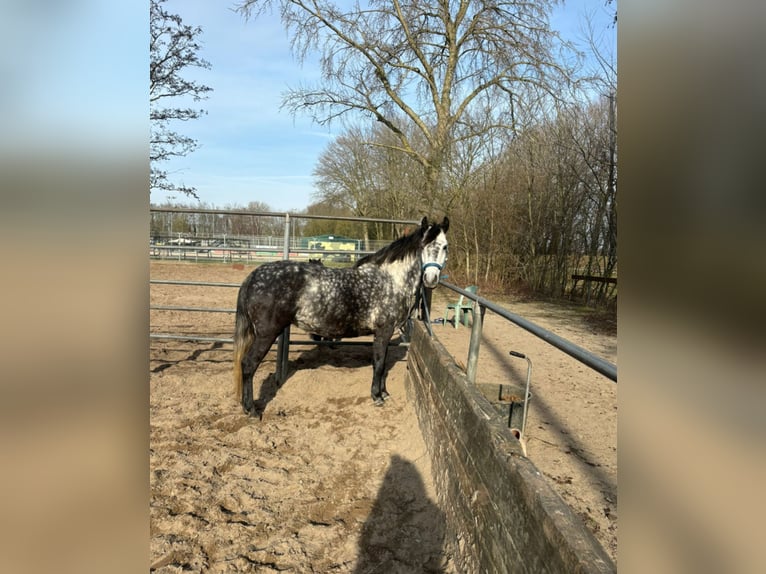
{"points": [[402, 247]]}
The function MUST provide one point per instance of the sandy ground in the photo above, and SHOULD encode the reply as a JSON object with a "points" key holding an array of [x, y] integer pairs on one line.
{"points": [[325, 482]]}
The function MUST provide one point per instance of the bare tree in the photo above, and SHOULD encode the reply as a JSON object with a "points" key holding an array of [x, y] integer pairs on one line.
{"points": [[360, 171], [345, 174], [173, 48], [435, 65]]}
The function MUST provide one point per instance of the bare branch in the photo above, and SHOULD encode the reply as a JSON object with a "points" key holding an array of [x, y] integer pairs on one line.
{"points": [[173, 48]]}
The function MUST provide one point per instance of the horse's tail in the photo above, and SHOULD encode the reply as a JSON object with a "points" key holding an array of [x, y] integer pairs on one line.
{"points": [[244, 335]]}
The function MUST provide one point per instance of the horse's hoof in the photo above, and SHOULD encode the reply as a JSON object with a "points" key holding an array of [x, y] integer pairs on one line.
{"points": [[252, 411], [378, 401], [385, 396]]}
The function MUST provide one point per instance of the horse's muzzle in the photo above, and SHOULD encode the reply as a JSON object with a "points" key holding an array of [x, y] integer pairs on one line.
{"points": [[431, 273]]}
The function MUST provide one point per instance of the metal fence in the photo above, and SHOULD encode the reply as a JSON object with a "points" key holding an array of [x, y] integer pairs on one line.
{"points": [[289, 249], [228, 247], [584, 356]]}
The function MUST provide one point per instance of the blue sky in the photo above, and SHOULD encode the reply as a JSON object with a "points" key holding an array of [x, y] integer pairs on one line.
{"points": [[250, 150]]}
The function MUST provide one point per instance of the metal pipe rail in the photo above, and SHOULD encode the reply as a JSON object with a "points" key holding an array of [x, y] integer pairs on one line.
{"points": [[281, 214], [196, 249], [179, 337], [584, 356], [199, 283], [197, 309], [176, 337], [172, 337], [256, 249]]}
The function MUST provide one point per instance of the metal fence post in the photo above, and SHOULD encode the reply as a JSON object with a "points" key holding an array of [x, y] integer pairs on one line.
{"points": [[473, 346], [283, 343]]}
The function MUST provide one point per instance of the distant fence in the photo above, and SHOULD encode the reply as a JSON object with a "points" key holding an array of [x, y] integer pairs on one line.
{"points": [[605, 288], [225, 247]]}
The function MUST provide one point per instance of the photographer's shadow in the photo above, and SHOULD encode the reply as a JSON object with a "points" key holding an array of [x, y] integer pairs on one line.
{"points": [[404, 533]]}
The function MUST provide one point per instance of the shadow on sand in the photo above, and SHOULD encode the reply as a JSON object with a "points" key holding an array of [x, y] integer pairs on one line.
{"points": [[348, 356], [404, 533]]}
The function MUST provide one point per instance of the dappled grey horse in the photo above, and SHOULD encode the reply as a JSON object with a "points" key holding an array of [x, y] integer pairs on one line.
{"points": [[375, 296]]}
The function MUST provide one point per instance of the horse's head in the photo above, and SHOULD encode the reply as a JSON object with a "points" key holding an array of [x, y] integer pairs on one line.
{"points": [[434, 250]]}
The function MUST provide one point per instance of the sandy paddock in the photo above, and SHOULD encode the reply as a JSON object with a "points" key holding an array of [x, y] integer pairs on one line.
{"points": [[325, 481]]}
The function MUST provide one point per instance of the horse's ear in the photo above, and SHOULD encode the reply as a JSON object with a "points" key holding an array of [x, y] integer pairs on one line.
{"points": [[424, 223], [445, 224]]}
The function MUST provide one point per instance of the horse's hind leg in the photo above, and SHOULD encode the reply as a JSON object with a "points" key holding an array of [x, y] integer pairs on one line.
{"points": [[379, 355], [250, 363]]}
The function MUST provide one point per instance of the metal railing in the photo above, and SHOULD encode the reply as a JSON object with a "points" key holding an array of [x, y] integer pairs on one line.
{"points": [[583, 355], [253, 253]]}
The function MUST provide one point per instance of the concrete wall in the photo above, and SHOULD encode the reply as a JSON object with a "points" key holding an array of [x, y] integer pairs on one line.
{"points": [[501, 513]]}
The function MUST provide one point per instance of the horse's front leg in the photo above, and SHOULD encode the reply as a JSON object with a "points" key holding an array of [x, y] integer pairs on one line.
{"points": [[379, 355]]}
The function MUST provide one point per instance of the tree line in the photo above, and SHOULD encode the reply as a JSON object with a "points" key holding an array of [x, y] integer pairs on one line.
{"points": [[541, 209], [474, 109]]}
